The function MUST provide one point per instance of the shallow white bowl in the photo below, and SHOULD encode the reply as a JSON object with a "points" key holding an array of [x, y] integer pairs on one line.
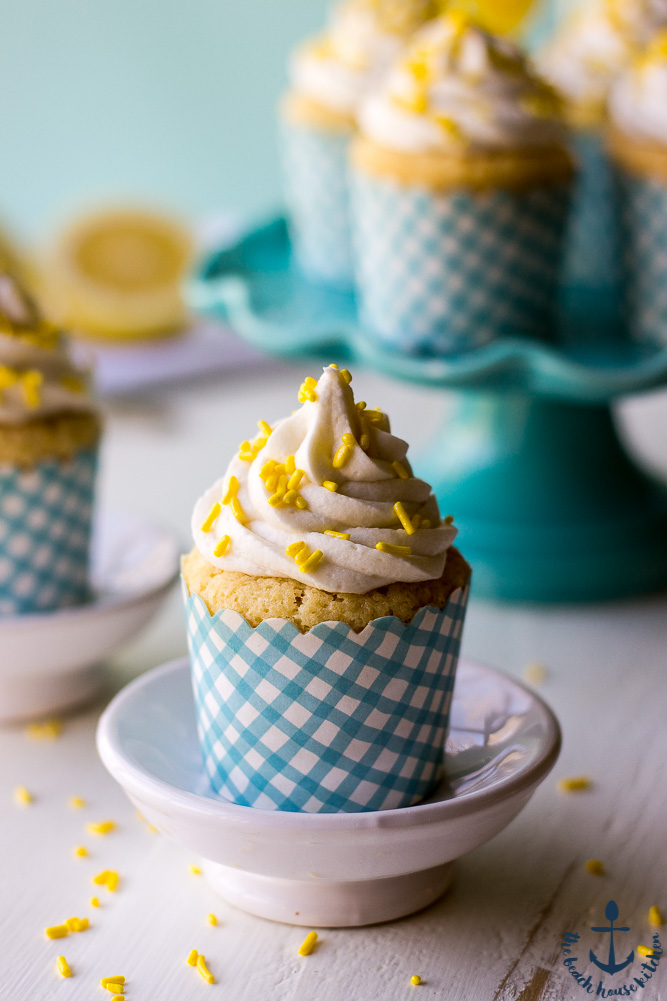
{"points": [[331, 870], [51, 661]]}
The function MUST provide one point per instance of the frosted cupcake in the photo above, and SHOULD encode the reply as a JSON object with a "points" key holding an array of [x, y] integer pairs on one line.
{"points": [[49, 433], [461, 184], [325, 605], [638, 147], [328, 77]]}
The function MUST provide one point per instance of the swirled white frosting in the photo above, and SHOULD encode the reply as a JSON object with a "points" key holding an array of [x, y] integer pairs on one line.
{"points": [[457, 85], [638, 99], [362, 39], [363, 505], [596, 44]]}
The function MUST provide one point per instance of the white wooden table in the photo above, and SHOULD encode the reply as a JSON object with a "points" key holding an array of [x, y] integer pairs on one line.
{"points": [[496, 935]]}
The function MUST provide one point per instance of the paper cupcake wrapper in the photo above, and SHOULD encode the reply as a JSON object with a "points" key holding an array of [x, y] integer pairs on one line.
{"points": [[45, 528], [643, 212], [317, 192], [446, 272], [325, 721]]}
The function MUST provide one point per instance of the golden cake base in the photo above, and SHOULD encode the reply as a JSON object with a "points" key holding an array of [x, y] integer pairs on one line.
{"points": [[48, 438], [298, 109], [644, 158]]}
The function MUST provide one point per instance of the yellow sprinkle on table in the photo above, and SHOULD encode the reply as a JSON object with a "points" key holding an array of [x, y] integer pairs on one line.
{"points": [[222, 545], [103, 827], [193, 956], [404, 518], [115, 988], [330, 485], [400, 470], [595, 867], [194, 869], [63, 967], [207, 525], [415, 979], [80, 851], [50, 729], [94, 902], [78, 924], [112, 881], [308, 944], [204, 970], [387, 547], [232, 488], [101, 878], [56, 931], [111, 980], [644, 950], [22, 797], [579, 783], [535, 673], [337, 535], [655, 916], [76, 802], [212, 919]]}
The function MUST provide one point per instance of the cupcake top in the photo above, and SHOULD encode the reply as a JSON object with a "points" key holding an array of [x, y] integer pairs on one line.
{"points": [[326, 497], [363, 36], [38, 378], [594, 46], [459, 87], [638, 99]]}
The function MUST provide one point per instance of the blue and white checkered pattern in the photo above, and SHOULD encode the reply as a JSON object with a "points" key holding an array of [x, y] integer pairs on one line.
{"points": [[326, 721], [45, 526], [643, 211], [317, 192], [439, 273]]}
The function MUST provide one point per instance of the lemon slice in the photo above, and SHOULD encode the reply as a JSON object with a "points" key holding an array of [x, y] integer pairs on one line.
{"points": [[502, 17], [118, 275]]}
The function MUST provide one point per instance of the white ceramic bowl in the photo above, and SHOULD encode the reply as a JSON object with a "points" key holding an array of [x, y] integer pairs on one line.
{"points": [[52, 661], [331, 870]]}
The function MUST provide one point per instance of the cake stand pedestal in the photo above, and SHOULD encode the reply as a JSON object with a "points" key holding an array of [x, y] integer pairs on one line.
{"points": [[549, 503]]}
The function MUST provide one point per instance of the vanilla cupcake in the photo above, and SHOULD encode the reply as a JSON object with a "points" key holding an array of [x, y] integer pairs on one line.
{"points": [[638, 147], [49, 434], [324, 606], [461, 182], [328, 77]]}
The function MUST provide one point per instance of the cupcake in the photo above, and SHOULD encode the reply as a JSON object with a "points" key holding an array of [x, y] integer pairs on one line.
{"points": [[328, 77], [325, 605], [460, 182], [638, 147], [49, 434], [591, 50]]}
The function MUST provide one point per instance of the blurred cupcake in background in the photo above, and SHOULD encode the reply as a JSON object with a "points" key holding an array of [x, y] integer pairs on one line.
{"points": [[461, 183], [638, 147], [49, 435], [329, 76]]}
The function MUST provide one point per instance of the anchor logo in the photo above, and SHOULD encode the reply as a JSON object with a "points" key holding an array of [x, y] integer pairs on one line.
{"points": [[611, 966]]}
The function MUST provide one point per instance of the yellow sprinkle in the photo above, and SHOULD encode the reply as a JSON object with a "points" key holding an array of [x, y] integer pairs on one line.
{"points": [[81, 851], [309, 382], [337, 535], [112, 881], [290, 465], [349, 439], [48, 730], [294, 548], [104, 827], [31, 382], [105, 981], [63, 967], [295, 479], [301, 504], [94, 902], [386, 547], [271, 482], [193, 957], [237, 510], [73, 383], [449, 520], [101, 878], [212, 515], [361, 405], [577, 784], [204, 970], [404, 518], [312, 561], [282, 482], [276, 499], [400, 470], [56, 931], [365, 442], [222, 545], [345, 376], [595, 867], [307, 396], [645, 950], [114, 988], [416, 521], [330, 485], [426, 523], [415, 979], [232, 488], [301, 556], [535, 673], [22, 797], [265, 471], [211, 918], [265, 428], [290, 496], [308, 944], [655, 916], [78, 924], [195, 870], [342, 456], [76, 802]]}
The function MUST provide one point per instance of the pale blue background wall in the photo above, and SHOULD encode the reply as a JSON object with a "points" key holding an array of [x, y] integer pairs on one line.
{"points": [[165, 100]]}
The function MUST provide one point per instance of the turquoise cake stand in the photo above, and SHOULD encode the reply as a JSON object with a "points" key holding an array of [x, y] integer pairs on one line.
{"points": [[549, 503]]}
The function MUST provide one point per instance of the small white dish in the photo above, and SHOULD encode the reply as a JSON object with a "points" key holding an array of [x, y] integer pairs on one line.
{"points": [[52, 661], [334, 869]]}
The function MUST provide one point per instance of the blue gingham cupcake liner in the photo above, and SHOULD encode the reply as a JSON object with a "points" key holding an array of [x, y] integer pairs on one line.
{"points": [[317, 194], [642, 203], [325, 721], [45, 529], [444, 272]]}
